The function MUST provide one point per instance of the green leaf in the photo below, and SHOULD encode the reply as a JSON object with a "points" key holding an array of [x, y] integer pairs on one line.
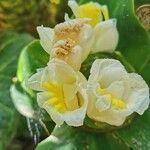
{"points": [[137, 134], [9, 52], [22, 101], [6, 38], [32, 58], [68, 138]]}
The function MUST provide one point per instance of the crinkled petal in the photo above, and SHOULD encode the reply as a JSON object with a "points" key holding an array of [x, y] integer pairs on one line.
{"points": [[109, 115], [46, 37], [113, 117], [102, 103], [105, 36], [116, 88], [138, 100], [106, 71]]}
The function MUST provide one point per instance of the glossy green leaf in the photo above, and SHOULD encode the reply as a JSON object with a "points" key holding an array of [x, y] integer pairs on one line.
{"points": [[9, 52], [22, 101], [137, 134], [68, 138], [32, 58], [6, 38]]}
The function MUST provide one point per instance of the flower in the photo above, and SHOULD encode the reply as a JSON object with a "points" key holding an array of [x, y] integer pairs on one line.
{"points": [[115, 94], [105, 34], [69, 41], [84, 11], [74, 39], [62, 94]]}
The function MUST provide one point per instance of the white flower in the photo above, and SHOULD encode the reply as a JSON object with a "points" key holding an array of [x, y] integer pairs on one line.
{"points": [[74, 39], [70, 41], [62, 94], [115, 94], [105, 36], [105, 33]]}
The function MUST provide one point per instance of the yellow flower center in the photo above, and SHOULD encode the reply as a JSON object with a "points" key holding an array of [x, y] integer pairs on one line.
{"points": [[94, 11], [57, 98], [114, 100]]}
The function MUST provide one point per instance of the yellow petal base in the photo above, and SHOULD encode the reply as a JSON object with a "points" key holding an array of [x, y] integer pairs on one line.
{"points": [[94, 11], [114, 100], [57, 98]]}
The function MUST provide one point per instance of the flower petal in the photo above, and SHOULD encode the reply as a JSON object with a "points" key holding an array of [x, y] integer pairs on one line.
{"points": [[34, 82], [116, 88], [102, 103], [42, 102], [69, 91], [105, 36], [106, 71], [106, 114], [76, 118], [75, 58], [46, 37], [86, 40], [138, 100], [72, 118], [61, 71], [74, 7]]}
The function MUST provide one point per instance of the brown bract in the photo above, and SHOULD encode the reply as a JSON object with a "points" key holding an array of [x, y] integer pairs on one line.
{"points": [[74, 27], [63, 47]]}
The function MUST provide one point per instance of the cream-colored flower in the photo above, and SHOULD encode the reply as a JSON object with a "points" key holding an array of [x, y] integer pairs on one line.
{"points": [[115, 94], [62, 94], [92, 10], [69, 41], [105, 33]]}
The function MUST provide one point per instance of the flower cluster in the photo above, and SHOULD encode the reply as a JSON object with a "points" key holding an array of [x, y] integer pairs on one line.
{"points": [[110, 94]]}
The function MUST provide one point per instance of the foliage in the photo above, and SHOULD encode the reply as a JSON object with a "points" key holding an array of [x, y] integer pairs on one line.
{"points": [[11, 44], [25, 16]]}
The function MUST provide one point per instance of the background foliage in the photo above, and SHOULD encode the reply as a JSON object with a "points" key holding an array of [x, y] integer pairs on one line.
{"points": [[16, 131]]}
